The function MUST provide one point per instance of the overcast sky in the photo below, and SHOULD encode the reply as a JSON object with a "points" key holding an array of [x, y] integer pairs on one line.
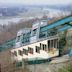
{"points": [[37, 2]]}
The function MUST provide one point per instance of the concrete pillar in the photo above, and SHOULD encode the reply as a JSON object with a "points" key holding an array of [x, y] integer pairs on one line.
{"points": [[47, 45], [57, 43], [50, 44]]}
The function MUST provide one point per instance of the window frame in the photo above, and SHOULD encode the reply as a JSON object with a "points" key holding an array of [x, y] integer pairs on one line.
{"points": [[25, 51], [15, 53], [20, 52], [37, 49], [30, 50]]}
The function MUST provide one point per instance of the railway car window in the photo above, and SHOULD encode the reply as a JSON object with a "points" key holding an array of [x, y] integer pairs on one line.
{"points": [[15, 53], [25, 51], [20, 52], [37, 49], [44, 46], [30, 50], [48, 44]]}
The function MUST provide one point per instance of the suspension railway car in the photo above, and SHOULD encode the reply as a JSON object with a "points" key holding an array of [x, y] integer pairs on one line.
{"points": [[41, 42]]}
